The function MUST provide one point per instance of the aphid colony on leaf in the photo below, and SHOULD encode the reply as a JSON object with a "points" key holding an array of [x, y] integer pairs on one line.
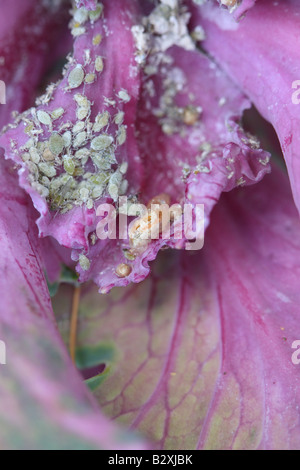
{"points": [[167, 25], [80, 18], [72, 162], [79, 163]]}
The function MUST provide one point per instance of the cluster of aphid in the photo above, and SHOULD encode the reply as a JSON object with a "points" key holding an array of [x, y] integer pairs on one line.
{"points": [[73, 162], [173, 118], [166, 26], [80, 18]]}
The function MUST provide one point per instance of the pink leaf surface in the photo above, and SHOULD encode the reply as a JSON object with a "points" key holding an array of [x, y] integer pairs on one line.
{"points": [[217, 154], [203, 348], [245, 6], [44, 403], [199, 355], [156, 159], [26, 48], [193, 162], [261, 53], [71, 229]]}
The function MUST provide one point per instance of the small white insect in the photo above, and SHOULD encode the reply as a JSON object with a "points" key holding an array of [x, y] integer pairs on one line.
{"points": [[113, 191], [81, 15], [114, 185], [67, 138], [124, 96], [28, 144], [90, 203], [82, 100], [82, 154], [77, 31], [48, 155], [84, 194], [97, 40], [171, 3], [56, 143], [102, 142], [45, 181], [99, 64], [123, 187], [44, 192], [25, 157], [198, 34], [93, 238], [95, 14], [44, 118], [34, 155], [69, 164], [87, 56], [57, 113], [90, 78], [119, 118], [84, 262], [76, 76], [123, 168], [109, 102], [82, 113], [78, 127], [121, 137], [33, 168], [97, 192], [102, 119], [79, 139], [47, 169]]}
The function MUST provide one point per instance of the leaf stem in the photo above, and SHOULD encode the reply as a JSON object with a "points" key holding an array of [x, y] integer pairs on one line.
{"points": [[74, 322]]}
